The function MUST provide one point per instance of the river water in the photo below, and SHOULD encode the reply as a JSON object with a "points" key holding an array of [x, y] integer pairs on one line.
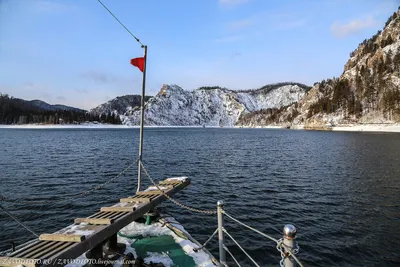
{"points": [[341, 190]]}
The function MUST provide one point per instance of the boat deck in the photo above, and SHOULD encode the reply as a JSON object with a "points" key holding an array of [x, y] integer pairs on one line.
{"points": [[59, 248]]}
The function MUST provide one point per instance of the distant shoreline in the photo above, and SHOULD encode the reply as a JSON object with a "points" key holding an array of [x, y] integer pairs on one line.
{"points": [[62, 126], [87, 126], [373, 127], [395, 128]]}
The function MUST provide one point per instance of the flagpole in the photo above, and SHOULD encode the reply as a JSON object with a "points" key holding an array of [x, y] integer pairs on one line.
{"points": [[142, 119]]}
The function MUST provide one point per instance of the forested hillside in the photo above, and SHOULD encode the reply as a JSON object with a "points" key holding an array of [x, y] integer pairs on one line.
{"points": [[368, 91], [19, 111]]}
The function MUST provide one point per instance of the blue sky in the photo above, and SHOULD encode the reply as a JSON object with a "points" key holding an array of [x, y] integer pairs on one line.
{"points": [[73, 52]]}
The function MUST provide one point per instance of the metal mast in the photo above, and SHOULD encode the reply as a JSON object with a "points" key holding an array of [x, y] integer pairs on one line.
{"points": [[142, 119]]}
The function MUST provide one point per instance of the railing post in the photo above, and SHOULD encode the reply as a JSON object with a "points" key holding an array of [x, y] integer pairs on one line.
{"points": [[289, 234], [222, 255]]}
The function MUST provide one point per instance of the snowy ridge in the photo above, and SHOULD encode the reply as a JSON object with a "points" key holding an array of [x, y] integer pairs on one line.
{"points": [[118, 105], [209, 107]]}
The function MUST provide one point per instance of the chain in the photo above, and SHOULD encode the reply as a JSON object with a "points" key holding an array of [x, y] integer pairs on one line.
{"points": [[68, 197], [284, 255], [209, 212]]}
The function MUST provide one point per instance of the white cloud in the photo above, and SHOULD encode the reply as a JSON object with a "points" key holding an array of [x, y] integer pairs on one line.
{"points": [[342, 30], [232, 2]]}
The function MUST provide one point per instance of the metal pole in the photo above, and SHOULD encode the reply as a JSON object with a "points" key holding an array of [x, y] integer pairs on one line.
{"points": [[289, 234], [222, 255], [142, 119]]}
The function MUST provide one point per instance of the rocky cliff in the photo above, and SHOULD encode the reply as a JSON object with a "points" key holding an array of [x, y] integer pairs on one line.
{"points": [[368, 91], [208, 106]]}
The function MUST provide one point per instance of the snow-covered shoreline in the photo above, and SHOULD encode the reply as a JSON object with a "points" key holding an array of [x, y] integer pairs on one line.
{"points": [[86, 126], [63, 126], [395, 128]]}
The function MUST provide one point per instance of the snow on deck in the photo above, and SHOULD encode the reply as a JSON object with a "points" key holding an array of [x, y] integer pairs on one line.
{"points": [[201, 258], [154, 188], [78, 229], [181, 178]]}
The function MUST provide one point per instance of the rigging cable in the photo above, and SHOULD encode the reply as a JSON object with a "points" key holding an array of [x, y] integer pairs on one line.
{"points": [[18, 221], [137, 39], [59, 198]]}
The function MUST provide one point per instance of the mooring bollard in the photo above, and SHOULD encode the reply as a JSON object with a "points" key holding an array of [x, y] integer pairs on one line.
{"points": [[222, 255], [289, 234]]}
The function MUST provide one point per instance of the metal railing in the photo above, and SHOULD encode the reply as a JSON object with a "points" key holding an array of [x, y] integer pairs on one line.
{"points": [[287, 246]]}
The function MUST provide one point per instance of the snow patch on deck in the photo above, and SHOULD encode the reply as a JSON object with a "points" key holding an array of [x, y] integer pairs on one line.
{"points": [[78, 229], [159, 258], [181, 178], [154, 188], [201, 258]]}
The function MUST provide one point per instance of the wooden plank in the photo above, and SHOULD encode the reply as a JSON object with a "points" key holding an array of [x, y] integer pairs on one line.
{"points": [[119, 209], [73, 229], [118, 215], [94, 220], [63, 247], [44, 245], [106, 228], [164, 187], [110, 230], [171, 182], [23, 250], [12, 262], [136, 199], [57, 254], [152, 192], [94, 215], [103, 215], [39, 255], [62, 237]]}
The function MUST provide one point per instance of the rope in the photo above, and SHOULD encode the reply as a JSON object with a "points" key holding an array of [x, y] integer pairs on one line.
{"points": [[18, 221], [209, 212], [230, 253], [244, 251], [68, 197], [251, 228], [137, 39], [205, 243]]}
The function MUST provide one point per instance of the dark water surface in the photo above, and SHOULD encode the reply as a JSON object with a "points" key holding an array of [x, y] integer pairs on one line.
{"points": [[341, 190]]}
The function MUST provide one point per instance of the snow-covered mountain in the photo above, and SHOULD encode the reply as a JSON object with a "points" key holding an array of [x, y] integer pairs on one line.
{"points": [[118, 105], [173, 106]]}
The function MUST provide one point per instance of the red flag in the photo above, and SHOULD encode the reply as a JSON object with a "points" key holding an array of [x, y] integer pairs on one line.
{"points": [[138, 62]]}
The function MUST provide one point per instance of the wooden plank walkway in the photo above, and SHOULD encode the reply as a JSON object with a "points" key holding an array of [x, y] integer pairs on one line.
{"points": [[61, 247]]}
